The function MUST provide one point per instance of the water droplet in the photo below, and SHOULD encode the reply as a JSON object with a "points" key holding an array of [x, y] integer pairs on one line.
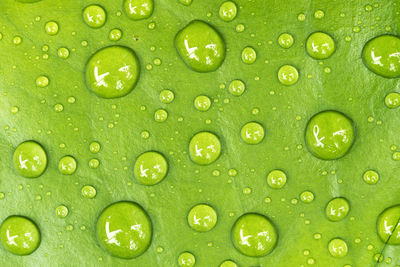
{"points": [[30, 159], [115, 35], [371, 177], [67, 165], [202, 103], [62, 211], [232, 172], [378, 257], [51, 28], [307, 197], [237, 87], [166, 96], [186, 259], [63, 52], [380, 55], [228, 11], [58, 107], [301, 17], [89, 191], [150, 168], [337, 209], [17, 40], [388, 225], [240, 27], [337, 248], [204, 148], [228, 263], [319, 14], [249, 55], [254, 235], [14, 110], [138, 9], [202, 218], [129, 224], [200, 46], [94, 16], [276, 179], [320, 45], [252, 133], [160, 115], [329, 135], [42, 81], [288, 75], [185, 2], [145, 134], [392, 100], [285, 40], [112, 72], [19, 235], [94, 163], [94, 147]]}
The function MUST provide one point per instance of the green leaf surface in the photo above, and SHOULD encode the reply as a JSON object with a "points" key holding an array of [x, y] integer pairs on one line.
{"points": [[341, 82]]}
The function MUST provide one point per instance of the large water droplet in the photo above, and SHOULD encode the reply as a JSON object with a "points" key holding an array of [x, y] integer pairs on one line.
{"points": [[329, 135], [112, 72], [200, 46], [19, 235], [388, 225], [202, 218], [138, 9], [30, 159], [94, 16], [382, 55], [124, 230], [150, 168], [204, 148], [254, 235], [320, 45]]}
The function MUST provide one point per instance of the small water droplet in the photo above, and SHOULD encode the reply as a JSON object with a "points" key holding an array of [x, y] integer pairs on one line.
{"points": [[51, 28], [94, 16], [88, 191], [202, 103], [249, 55]]}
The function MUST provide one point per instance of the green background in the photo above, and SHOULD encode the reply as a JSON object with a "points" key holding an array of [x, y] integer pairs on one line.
{"points": [[283, 111]]}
